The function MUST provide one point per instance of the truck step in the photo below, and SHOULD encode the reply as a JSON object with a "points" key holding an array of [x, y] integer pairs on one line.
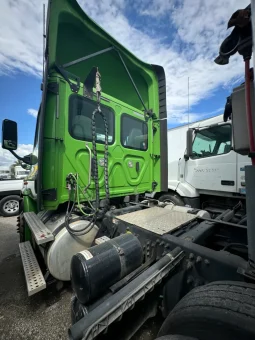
{"points": [[45, 215], [34, 277], [41, 233]]}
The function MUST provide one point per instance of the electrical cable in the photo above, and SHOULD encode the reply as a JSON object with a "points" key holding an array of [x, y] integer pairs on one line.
{"points": [[88, 227], [94, 216], [78, 196]]}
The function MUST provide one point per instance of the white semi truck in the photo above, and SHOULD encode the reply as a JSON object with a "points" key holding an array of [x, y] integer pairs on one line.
{"points": [[212, 178], [20, 172]]}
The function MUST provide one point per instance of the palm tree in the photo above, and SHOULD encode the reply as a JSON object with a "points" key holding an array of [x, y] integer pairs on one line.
{"points": [[12, 168]]}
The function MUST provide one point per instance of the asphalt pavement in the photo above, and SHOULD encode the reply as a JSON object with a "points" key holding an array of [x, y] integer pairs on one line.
{"points": [[46, 315]]}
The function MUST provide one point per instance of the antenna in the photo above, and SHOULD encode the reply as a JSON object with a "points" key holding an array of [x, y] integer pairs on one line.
{"points": [[188, 102], [44, 36]]}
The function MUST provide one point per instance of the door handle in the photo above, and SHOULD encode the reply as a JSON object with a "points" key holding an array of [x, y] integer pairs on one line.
{"points": [[231, 183], [137, 166]]}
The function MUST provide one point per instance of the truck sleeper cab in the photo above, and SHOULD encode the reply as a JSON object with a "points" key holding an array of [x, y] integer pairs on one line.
{"points": [[99, 140]]}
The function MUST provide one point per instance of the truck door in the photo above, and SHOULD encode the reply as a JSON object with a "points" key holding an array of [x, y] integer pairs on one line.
{"points": [[130, 166], [137, 166], [79, 144], [212, 165]]}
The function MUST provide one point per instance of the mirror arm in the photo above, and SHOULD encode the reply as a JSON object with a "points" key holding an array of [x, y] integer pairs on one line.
{"points": [[25, 159], [17, 156]]}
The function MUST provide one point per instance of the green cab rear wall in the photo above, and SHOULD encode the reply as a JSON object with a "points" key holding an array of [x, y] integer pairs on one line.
{"points": [[71, 35]]}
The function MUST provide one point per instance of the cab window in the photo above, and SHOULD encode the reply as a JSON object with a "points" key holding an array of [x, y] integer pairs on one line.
{"points": [[213, 141], [80, 118], [134, 133]]}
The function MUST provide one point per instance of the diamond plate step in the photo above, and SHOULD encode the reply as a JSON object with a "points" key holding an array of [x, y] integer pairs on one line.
{"points": [[45, 215], [41, 233], [34, 277], [158, 220]]}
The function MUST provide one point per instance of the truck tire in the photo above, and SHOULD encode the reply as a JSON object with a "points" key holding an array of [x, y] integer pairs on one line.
{"points": [[220, 310], [171, 198], [9, 206]]}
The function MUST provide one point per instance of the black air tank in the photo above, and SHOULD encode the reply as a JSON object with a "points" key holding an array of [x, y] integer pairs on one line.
{"points": [[94, 270]]}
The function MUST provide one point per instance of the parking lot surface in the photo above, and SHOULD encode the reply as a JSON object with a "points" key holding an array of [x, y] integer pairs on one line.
{"points": [[45, 315]]}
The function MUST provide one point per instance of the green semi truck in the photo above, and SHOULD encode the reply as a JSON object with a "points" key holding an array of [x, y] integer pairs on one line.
{"points": [[100, 142], [92, 148]]}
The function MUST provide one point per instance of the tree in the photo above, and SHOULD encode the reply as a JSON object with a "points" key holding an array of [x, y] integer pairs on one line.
{"points": [[12, 168]]}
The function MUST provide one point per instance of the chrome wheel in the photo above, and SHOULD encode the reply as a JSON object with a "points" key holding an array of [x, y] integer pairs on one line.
{"points": [[11, 206]]}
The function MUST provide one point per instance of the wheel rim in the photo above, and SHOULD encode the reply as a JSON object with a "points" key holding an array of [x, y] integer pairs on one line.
{"points": [[167, 200], [11, 206]]}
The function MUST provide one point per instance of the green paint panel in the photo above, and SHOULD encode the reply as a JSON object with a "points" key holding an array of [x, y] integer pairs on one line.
{"points": [[117, 180], [72, 35]]}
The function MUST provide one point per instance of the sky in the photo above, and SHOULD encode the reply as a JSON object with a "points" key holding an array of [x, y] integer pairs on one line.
{"points": [[181, 35]]}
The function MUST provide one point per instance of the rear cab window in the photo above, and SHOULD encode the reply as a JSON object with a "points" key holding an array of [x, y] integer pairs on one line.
{"points": [[134, 133], [80, 119]]}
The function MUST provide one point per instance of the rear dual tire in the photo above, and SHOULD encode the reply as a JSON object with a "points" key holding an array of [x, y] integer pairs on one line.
{"points": [[220, 310]]}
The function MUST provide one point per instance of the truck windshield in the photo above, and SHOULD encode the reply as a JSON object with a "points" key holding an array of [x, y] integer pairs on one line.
{"points": [[213, 141]]}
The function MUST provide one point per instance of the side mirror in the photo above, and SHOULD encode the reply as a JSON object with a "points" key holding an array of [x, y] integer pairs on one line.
{"points": [[189, 142], [9, 135]]}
